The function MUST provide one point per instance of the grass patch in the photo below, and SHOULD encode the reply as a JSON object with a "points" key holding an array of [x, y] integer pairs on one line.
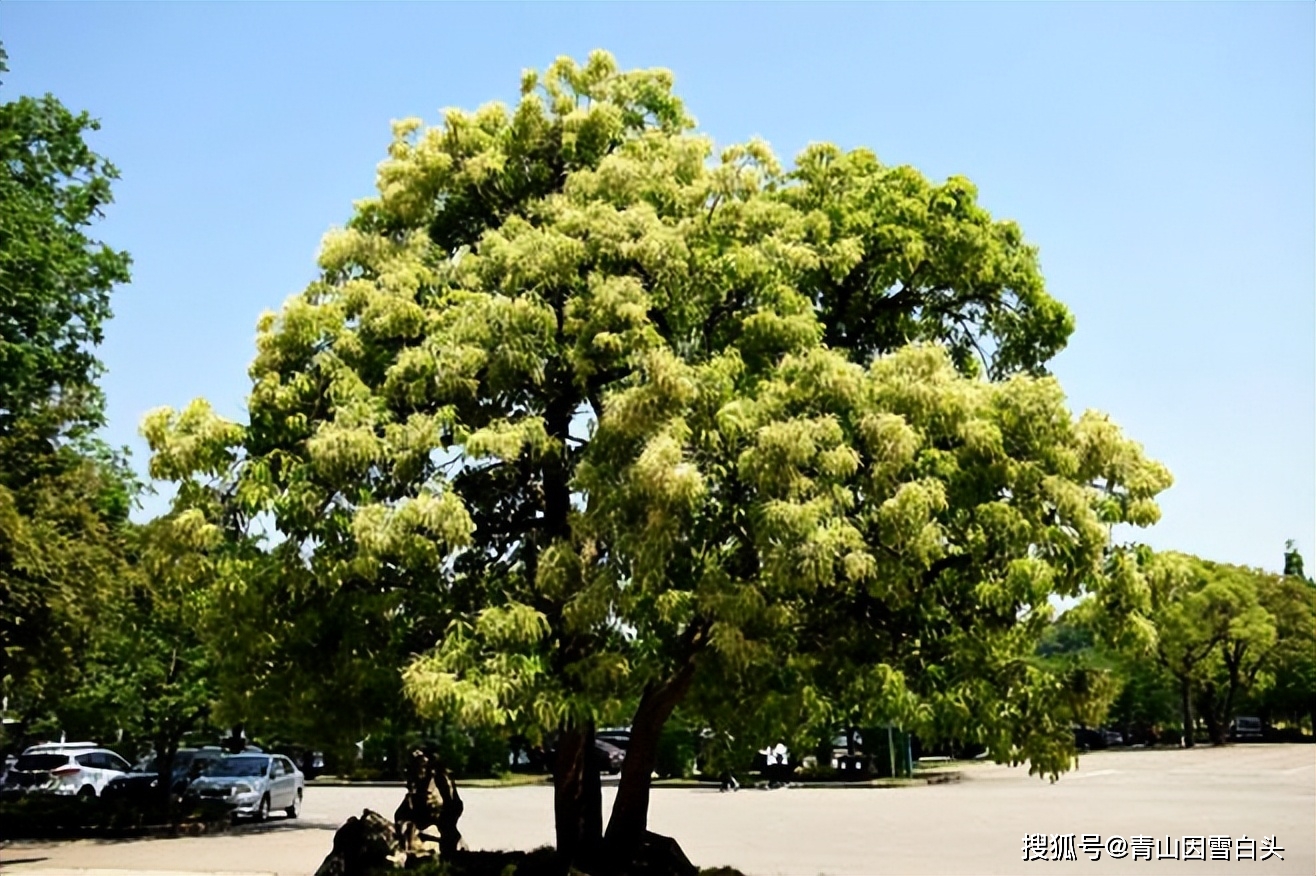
{"points": [[506, 780]]}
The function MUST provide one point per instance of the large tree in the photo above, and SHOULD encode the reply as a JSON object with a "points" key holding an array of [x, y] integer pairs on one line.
{"points": [[1288, 689], [598, 422], [64, 496], [55, 281]]}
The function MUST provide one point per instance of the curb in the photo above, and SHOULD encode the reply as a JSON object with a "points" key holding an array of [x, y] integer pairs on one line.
{"points": [[940, 777]]}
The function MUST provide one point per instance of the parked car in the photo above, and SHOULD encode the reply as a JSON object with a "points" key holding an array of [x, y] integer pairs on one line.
{"points": [[80, 768], [615, 736], [142, 783], [611, 756], [523, 756], [1088, 739], [841, 756], [252, 785], [609, 753], [309, 761], [1246, 729]]}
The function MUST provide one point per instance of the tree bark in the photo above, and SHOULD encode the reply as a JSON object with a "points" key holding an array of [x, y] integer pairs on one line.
{"points": [[166, 752], [1212, 713], [577, 796], [630, 811], [1186, 710], [1234, 664]]}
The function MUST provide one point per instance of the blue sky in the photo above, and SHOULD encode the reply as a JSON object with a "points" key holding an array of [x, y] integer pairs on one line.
{"points": [[1160, 155]]}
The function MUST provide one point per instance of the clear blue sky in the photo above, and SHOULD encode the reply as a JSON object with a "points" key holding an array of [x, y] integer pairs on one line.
{"points": [[1161, 156]]}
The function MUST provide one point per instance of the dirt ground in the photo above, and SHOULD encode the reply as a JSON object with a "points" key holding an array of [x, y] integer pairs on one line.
{"points": [[975, 826]]}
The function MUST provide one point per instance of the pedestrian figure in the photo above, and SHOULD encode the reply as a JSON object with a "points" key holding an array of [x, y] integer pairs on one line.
{"points": [[778, 765]]}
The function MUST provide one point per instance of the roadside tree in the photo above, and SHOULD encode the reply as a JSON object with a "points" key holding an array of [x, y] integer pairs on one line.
{"points": [[596, 423], [64, 496], [150, 669], [1222, 630], [1287, 677]]}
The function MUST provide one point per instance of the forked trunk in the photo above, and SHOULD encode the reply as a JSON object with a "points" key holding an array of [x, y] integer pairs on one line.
{"points": [[630, 811], [1235, 685], [577, 796]]}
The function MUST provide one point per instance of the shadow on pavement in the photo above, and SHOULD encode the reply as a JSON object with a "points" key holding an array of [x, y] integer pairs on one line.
{"points": [[286, 826], [281, 826]]}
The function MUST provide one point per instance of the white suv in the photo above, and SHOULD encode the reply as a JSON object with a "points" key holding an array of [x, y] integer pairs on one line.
{"points": [[65, 768]]}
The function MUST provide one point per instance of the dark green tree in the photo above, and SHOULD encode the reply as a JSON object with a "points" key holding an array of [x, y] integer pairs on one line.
{"points": [[64, 496], [1287, 678], [1293, 560], [1222, 631], [63, 520], [150, 666], [55, 281]]}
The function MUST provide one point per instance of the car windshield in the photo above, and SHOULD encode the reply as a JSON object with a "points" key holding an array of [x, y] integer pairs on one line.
{"points": [[199, 765], [41, 761], [238, 766]]}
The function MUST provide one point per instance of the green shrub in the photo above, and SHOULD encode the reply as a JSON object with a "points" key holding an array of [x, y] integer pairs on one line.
{"points": [[676, 753], [37, 816]]}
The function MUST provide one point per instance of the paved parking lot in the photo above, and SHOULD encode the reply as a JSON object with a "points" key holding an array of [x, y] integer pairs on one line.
{"points": [[974, 826]]}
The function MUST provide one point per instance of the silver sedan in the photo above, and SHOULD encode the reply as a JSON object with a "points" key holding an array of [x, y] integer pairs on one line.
{"points": [[252, 785]]}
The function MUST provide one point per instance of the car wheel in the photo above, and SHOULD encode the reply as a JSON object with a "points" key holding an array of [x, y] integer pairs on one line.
{"points": [[296, 806], [263, 811], [86, 791]]}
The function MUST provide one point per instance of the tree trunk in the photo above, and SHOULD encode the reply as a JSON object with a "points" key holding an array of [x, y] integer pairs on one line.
{"points": [[166, 752], [577, 796], [630, 811], [1234, 663], [1186, 710], [1215, 727], [1227, 718]]}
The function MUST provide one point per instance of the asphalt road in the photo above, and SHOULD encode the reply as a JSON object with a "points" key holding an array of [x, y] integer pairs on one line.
{"points": [[974, 826]]}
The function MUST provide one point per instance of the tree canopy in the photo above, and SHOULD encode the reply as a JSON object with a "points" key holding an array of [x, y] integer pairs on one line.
{"points": [[596, 421], [64, 495], [1223, 632], [55, 281], [1223, 641]]}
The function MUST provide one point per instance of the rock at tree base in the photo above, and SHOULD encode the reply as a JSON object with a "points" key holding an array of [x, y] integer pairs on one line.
{"points": [[424, 835], [658, 855], [363, 845]]}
